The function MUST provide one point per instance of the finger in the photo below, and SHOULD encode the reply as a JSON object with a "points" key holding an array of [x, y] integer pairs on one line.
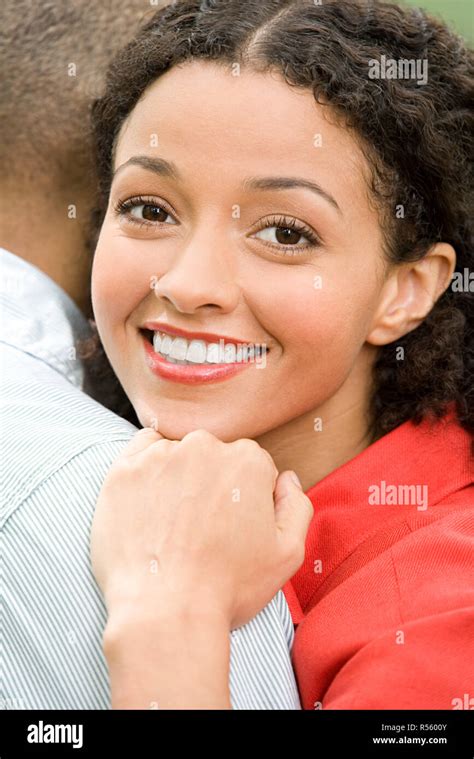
{"points": [[141, 440], [273, 467], [293, 509], [261, 450]]}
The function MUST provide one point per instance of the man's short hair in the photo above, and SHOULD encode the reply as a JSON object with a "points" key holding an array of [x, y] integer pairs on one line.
{"points": [[53, 58]]}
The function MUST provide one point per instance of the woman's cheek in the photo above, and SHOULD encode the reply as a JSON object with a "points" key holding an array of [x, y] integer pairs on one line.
{"points": [[316, 318], [329, 331], [117, 285], [104, 304]]}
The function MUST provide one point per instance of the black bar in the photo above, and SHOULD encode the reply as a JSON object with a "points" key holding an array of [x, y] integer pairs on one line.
{"points": [[320, 734]]}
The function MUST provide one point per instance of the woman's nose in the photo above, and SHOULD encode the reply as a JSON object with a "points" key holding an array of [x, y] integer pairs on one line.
{"points": [[200, 276]]}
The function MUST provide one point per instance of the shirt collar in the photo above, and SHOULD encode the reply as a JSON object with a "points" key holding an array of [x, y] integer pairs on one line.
{"points": [[39, 318]]}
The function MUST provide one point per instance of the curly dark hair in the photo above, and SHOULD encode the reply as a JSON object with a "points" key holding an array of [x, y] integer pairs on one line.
{"points": [[417, 140]]}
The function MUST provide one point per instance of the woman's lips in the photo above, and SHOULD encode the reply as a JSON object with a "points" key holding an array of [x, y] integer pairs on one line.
{"points": [[190, 374], [209, 337]]}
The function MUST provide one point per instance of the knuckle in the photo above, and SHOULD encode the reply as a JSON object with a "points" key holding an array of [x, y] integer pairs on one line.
{"points": [[163, 446], [248, 448], [245, 443], [252, 456], [198, 437], [162, 450], [269, 461]]}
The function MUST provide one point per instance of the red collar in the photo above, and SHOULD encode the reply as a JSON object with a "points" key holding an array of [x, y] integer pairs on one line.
{"points": [[433, 454]]}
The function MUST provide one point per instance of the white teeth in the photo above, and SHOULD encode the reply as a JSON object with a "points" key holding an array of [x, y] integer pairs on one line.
{"points": [[230, 352], [242, 353], [213, 353], [179, 349], [166, 343], [197, 352], [157, 342]]}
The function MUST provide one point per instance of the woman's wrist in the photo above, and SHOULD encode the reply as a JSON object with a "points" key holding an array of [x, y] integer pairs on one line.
{"points": [[175, 659]]}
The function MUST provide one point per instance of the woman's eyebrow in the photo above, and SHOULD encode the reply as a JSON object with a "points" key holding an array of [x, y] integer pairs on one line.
{"points": [[285, 183], [156, 165], [168, 169]]}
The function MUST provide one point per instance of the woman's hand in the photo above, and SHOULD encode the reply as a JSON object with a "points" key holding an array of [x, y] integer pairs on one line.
{"points": [[194, 534]]}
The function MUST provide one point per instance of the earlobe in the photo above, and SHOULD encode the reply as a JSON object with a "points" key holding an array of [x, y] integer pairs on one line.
{"points": [[410, 292]]}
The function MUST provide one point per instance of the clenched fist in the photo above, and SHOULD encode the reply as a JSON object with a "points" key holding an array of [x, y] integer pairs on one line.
{"points": [[196, 524]]}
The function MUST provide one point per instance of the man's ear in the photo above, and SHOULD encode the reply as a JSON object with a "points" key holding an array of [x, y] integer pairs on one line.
{"points": [[410, 292]]}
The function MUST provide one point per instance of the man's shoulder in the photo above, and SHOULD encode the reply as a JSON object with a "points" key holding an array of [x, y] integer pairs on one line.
{"points": [[47, 422], [45, 396]]}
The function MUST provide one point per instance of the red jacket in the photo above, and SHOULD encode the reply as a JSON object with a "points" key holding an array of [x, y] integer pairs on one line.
{"points": [[384, 601]]}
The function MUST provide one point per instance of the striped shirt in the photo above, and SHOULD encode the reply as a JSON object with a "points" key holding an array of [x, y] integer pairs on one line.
{"points": [[57, 445]]}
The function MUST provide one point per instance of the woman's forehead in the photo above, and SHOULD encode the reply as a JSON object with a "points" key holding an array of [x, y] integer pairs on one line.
{"points": [[202, 114]]}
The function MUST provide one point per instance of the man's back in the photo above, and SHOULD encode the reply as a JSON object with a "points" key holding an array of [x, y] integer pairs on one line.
{"points": [[57, 445]]}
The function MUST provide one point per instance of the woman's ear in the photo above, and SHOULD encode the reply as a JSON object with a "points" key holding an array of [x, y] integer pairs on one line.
{"points": [[410, 292]]}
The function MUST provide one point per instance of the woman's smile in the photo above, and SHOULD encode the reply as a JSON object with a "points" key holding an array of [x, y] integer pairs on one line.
{"points": [[177, 355]]}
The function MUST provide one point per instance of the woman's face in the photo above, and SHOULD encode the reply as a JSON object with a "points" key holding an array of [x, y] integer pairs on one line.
{"points": [[237, 212]]}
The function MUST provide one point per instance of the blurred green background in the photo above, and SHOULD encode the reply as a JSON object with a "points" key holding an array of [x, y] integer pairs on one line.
{"points": [[459, 13]]}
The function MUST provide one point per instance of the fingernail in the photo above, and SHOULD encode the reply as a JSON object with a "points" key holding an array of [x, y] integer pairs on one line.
{"points": [[296, 480]]}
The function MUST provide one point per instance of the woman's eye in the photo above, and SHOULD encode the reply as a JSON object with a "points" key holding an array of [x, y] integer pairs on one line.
{"points": [[283, 236], [150, 212]]}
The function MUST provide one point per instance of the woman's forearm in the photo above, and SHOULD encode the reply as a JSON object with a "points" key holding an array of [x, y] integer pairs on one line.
{"points": [[176, 661]]}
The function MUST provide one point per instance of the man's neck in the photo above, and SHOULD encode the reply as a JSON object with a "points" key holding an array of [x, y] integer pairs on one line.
{"points": [[50, 234]]}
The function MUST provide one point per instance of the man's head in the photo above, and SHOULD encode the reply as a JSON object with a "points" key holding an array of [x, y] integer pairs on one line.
{"points": [[53, 57]]}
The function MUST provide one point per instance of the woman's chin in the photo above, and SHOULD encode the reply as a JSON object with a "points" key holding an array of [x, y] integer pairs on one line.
{"points": [[177, 427]]}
